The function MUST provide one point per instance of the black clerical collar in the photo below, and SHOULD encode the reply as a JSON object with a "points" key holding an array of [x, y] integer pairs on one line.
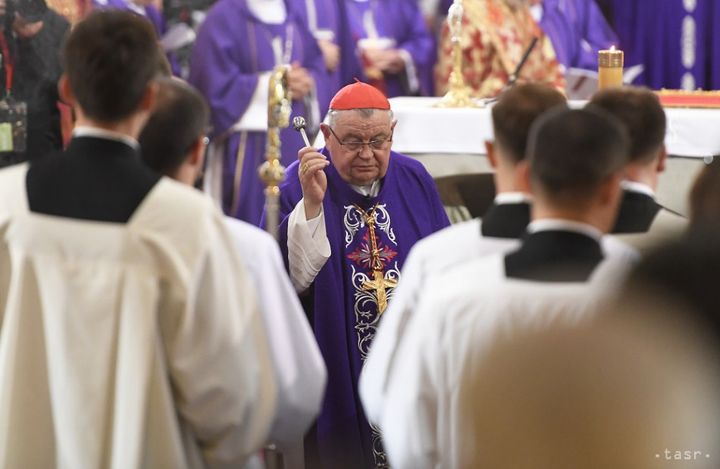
{"points": [[638, 188], [555, 254], [95, 132], [96, 178], [557, 224], [506, 218], [503, 198]]}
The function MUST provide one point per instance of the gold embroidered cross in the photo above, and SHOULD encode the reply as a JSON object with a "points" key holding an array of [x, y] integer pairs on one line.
{"points": [[379, 283]]}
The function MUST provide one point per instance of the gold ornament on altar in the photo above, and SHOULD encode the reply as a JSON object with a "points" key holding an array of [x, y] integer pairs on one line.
{"points": [[458, 95], [272, 172]]}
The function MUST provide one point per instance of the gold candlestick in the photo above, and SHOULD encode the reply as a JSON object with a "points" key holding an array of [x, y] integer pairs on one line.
{"points": [[610, 68], [458, 94]]}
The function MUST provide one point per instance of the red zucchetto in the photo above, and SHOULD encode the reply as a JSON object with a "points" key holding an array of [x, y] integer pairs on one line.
{"points": [[359, 95]]}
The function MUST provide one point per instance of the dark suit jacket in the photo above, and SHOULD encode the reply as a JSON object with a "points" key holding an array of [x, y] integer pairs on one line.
{"points": [[94, 179], [506, 220], [554, 256]]}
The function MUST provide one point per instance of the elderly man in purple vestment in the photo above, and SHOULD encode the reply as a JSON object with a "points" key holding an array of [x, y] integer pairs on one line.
{"points": [[387, 44], [239, 44], [350, 213]]}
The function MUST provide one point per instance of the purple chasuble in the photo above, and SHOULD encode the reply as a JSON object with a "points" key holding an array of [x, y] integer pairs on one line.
{"points": [[344, 314], [232, 49], [676, 41], [399, 20], [577, 30]]}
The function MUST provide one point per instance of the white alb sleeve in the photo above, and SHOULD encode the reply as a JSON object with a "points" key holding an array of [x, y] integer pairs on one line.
{"points": [[308, 247]]}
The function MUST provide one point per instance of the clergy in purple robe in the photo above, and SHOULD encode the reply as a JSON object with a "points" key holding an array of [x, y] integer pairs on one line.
{"points": [[323, 19], [238, 45], [350, 213], [577, 30], [388, 45], [676, 41]]}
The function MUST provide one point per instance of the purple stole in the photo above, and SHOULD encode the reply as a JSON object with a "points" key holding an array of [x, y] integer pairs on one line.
{"points": [[343, 301], [232, 48]]}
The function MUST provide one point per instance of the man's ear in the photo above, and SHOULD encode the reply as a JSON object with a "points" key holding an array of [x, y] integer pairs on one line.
{"points": [[662, 160], [65, 91], [325, 129], [147, 103], [197, 152], [393, 124], [610, 189], [524, 181], [490, 149]]}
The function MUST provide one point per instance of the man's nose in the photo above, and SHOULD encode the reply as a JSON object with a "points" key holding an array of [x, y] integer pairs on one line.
{"points": [[366, 152]]}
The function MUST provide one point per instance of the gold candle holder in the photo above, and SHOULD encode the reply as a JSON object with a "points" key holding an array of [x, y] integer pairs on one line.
{"points": [[272, 172], [610, 68], [458, 94]]}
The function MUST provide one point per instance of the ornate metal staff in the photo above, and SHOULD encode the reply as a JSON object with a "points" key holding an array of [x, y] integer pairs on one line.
{"points": [[272, 172], [458, 95]]}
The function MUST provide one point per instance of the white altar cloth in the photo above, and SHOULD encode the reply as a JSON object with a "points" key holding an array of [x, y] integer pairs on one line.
{"points": [[424, 129]]}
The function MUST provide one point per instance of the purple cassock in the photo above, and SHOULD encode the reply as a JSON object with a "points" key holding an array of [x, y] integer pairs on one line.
{"points": [[323, 18], [577, 30], [233, 47], [400, 21], [343, 311], [676, 40]]}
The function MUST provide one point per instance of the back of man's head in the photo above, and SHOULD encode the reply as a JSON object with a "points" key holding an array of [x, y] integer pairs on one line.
{"points": [[639, 109], [180, 117], [515, 112], [109, 63], [571, 153]]}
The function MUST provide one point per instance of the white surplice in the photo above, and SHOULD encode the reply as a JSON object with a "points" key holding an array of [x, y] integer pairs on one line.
{"points": [[128, 345], [457, 317], [445, 250], [299, 367]]}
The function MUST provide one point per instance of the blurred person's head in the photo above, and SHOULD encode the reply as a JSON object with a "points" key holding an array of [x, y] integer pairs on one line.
{"points": [[109, 68], [705, 198], [575, 163], [685, 270], [640, 111], [625, 391], [512, 116], [173, 140]]}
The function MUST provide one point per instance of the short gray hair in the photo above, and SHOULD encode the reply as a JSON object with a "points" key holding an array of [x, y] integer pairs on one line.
{"points": [[333, 114]]}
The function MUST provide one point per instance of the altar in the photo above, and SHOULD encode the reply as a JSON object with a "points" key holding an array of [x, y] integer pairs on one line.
{"points": [[452, 141]]}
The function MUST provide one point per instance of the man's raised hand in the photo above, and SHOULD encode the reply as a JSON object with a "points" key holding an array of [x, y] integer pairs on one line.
{"points": [[312, 179]]}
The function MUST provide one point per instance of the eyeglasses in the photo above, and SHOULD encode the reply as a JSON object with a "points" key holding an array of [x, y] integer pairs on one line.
{"points": [[357, 145]]}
